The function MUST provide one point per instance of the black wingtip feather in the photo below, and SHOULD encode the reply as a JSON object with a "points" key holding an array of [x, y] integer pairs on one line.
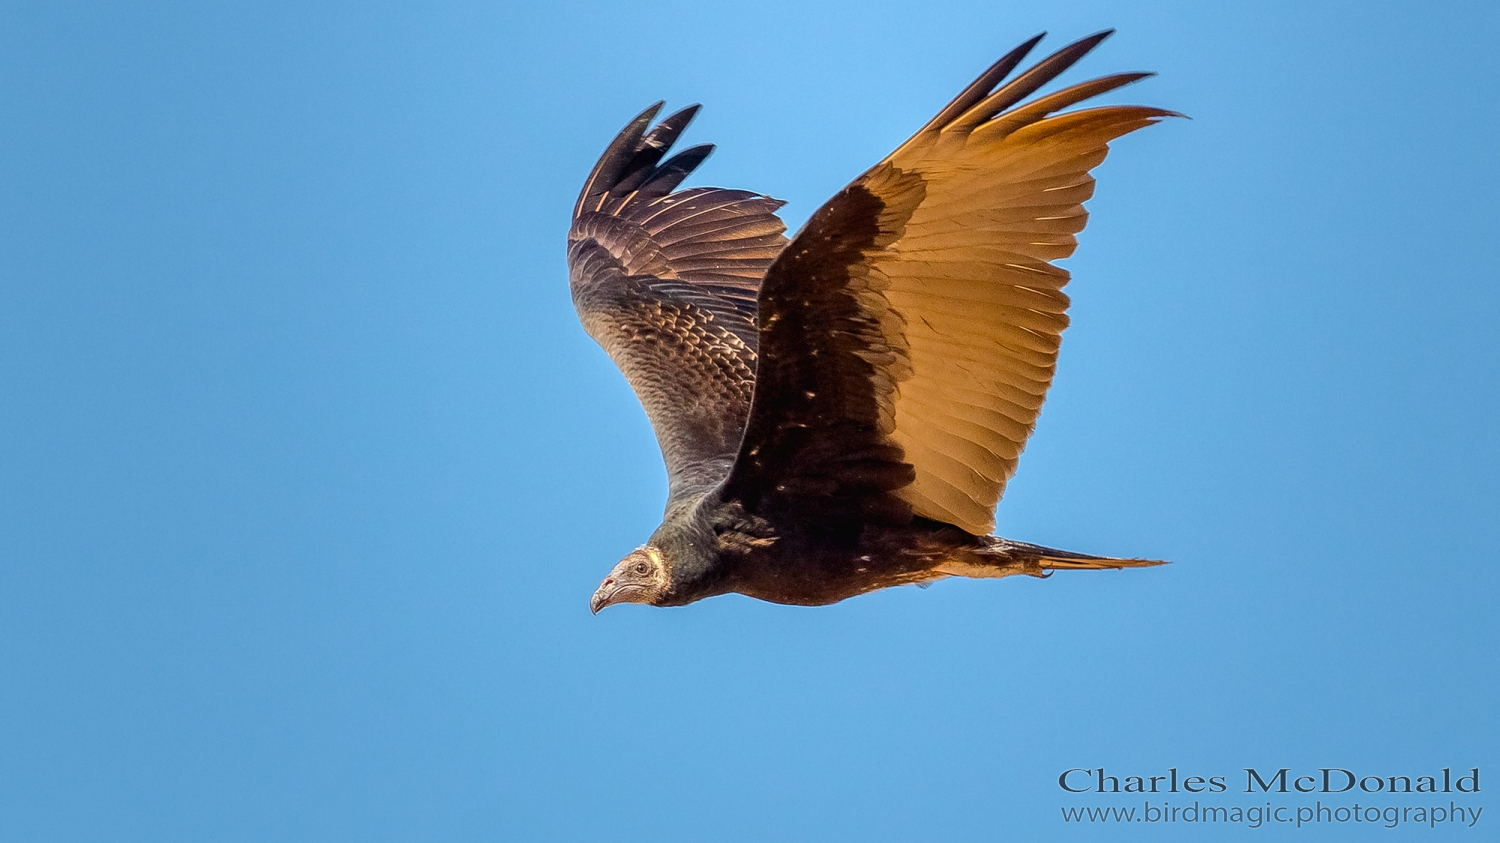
{"points": [[665, 133], [670, 174], [981, 87], [1028, 82], [650, 149], [617, 157], [631, 169]]}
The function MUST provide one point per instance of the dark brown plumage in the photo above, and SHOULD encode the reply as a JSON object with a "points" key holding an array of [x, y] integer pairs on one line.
{"points": [[897, 350]]}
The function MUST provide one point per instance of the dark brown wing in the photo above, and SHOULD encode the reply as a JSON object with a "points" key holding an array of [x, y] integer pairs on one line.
{"points": [[667, 282], [910, 331]]}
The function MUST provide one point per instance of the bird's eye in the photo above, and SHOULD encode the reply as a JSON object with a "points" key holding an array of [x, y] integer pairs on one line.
{"points": [[640, 567]]}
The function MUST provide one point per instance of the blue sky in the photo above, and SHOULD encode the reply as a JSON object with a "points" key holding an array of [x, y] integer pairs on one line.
{"points": [[308, 470]]}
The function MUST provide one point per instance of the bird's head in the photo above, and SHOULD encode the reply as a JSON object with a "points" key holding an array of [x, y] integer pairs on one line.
{"points": [[641, 577]]}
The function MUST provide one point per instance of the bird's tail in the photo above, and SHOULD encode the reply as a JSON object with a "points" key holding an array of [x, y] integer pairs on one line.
{"points": [[997, 557]]}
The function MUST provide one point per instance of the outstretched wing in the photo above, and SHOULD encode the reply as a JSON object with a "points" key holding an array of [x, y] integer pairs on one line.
{"points": [[666, 282], [910, 331]]}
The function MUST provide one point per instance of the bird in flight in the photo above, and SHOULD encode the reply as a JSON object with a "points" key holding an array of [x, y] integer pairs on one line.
{"points": [[840, 412]]}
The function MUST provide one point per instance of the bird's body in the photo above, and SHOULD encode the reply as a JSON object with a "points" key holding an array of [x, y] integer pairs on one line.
{"points": [[840, 413], [804, 561]]}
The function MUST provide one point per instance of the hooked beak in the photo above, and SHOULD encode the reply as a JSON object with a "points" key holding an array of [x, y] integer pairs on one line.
{"points": [[600, 598], [612, 591]]}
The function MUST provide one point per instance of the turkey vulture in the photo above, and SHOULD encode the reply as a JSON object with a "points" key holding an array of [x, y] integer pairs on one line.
{"points": [[840, 413]]}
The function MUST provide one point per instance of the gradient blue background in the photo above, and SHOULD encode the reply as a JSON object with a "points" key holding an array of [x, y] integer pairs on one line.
{"points": [[307, 470]]}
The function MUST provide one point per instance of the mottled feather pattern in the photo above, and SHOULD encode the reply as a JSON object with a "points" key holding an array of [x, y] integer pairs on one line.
{"points": [[693, 375], [667, 283]]}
